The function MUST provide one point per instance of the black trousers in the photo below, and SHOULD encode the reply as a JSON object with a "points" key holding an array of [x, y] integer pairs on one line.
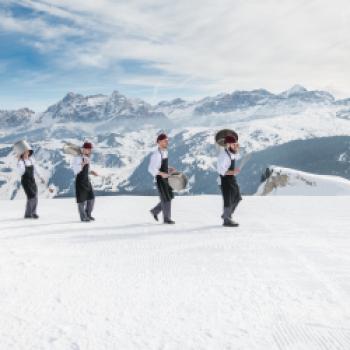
{"points": [[231, 195]]}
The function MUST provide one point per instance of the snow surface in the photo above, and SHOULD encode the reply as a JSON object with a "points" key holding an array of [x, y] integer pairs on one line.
{"points": [[279, 281]]}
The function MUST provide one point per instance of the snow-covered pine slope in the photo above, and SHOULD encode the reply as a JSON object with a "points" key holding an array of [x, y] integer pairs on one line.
{"points": [[291, 182], [124, 131], [280, 281]]}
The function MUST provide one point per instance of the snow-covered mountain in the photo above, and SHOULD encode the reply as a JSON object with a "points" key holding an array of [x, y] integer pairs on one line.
{"points": [[290, 182], [295, 99], [123, 131], [78, 108], [16, 118]]}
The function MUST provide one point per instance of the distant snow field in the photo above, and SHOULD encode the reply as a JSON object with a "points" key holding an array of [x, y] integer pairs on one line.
{"points": [[279, 281]]}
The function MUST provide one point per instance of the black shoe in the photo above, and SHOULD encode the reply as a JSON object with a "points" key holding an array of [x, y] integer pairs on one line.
{"points": [[35, 216], [169, 222], [27, 217], [155, 216], [91, 218], [85, 219], [230, 224]]}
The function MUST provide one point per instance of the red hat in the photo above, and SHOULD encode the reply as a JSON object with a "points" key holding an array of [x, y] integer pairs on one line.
{"points": [[230, 139], [87, 145], [162, 137]]}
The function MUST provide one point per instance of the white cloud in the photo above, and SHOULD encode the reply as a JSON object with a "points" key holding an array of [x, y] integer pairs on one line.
{"points": [[37, 27], [225, 45]]}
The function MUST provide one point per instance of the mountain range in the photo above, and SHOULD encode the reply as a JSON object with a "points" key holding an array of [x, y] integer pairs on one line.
{"points": [[279, 129]]}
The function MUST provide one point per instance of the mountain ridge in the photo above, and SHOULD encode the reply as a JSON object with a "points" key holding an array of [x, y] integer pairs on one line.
{"points": [[124, 130], [238, 99]]}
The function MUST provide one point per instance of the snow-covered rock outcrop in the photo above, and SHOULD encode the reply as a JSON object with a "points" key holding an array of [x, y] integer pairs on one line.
{"points": [[291, 182]]}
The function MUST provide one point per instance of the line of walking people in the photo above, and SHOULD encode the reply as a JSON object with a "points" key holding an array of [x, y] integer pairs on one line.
{"points": [[158, 167]]}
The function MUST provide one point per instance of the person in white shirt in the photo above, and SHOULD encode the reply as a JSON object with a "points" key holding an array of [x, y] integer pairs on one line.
{"points": [[159, 169], [227, 171], [26, 169], [83, 188]]}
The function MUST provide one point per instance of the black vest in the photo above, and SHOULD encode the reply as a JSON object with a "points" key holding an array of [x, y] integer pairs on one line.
{"points": [[233, 162], [165, 164], [83, 187], [165, 191], [229, 187], [28, 181]]}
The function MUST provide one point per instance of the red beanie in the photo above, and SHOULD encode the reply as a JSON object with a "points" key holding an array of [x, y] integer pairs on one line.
{"points": [[230, 139], [161, 137], [87, 145]]}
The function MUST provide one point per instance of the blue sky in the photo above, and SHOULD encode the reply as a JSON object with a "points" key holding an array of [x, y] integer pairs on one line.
{"points": [[161, 49]]}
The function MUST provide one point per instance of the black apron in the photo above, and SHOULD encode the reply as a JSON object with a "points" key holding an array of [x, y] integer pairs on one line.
{"points": [[83, 187], [229, 187], [28, 182], [164, 189]]}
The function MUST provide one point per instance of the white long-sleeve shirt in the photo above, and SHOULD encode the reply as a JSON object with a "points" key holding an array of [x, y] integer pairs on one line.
{"points": [[22, 163], [77, 163], [156, 161], [224, 161]]}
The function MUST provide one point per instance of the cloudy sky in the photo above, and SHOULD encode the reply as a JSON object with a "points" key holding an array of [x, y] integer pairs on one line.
{"points": [[162, 49]]}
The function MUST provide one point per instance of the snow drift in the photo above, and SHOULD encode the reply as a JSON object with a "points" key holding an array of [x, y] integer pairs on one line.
{"points": [[290, 182]]}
